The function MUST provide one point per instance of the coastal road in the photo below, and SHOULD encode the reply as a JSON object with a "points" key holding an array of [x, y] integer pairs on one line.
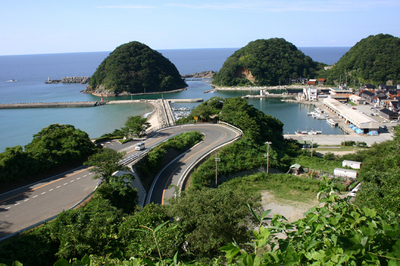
{"points": [[215, 136], [34, 203]]}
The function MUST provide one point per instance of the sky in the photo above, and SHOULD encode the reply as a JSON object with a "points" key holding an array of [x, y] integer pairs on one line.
{"points": [[41, 27]]}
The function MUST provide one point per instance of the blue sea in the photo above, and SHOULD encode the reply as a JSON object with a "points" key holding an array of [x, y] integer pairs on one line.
{"points": [[17, 126]]}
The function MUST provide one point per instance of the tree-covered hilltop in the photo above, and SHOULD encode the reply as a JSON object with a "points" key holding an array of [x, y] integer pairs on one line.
{"points": [[373, 60], [267, 63], [136, 68]]}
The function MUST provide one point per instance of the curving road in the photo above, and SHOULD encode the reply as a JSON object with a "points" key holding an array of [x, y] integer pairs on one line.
{"points": [[34, 203]]}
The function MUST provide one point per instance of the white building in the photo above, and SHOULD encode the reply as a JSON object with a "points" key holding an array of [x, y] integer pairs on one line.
{"points": [[351, 116], [351, 164], [310, 93], [345, 173]]}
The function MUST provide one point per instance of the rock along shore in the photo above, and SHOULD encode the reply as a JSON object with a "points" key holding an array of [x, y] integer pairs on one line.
{"points": [[81, 80]]}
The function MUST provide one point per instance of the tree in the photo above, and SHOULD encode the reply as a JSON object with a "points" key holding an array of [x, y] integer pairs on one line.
{"points": [[58, 144], [137, 125], [211, 217], [105, 163]]}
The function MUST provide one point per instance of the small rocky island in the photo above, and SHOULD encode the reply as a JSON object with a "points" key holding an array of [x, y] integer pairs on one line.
{"points": [[81, 80]]}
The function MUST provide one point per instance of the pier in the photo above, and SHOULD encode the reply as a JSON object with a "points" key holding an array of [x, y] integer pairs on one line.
{"points": [[87, 103], [49, 105], [271, 95]]}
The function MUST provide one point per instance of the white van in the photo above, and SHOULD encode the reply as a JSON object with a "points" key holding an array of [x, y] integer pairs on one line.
{"points": [[140, 146]]}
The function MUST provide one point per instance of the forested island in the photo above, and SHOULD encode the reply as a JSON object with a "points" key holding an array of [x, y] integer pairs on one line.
{"points": [[373, 60], [135, 68], [266, 63]]}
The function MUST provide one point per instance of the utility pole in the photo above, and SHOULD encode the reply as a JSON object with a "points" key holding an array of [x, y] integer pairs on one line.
{"points": [[216, 169], [268, 142]]}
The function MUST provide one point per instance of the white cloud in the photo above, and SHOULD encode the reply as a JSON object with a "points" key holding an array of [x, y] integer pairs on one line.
{"points": [[128, 7], [293, 5]]}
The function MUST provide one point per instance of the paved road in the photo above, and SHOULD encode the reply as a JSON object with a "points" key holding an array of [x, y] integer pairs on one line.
{"points": [[34, 203], [216, 135]]}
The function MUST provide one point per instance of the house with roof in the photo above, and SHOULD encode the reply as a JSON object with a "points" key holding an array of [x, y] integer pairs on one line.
{"points": [[321, 82], [312, 82], [368, 95], [351, 164], [369, 87], [347, 173], [388, 115]]}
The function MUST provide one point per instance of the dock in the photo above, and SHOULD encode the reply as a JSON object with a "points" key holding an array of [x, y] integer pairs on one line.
{"points": [[86, 104], [49, 105]]}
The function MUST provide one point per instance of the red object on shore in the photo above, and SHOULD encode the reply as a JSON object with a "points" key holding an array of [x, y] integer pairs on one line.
{"points": [[102, 97]]}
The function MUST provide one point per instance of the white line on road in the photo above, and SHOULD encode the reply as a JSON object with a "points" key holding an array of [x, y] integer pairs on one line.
{"points": [[34, 196], [72, 181], [26, 200], [80, 178], [7, 207], [51, 189], [65, 184], [17, 203], [43, 192], [58, 186]]}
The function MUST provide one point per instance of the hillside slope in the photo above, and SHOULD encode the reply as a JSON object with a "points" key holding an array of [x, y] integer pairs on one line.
{"points": [[136, 68], [267, 63], [374, 60]]}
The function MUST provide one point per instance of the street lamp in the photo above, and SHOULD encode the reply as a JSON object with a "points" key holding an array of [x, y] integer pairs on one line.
{"points": [[268, 142]]}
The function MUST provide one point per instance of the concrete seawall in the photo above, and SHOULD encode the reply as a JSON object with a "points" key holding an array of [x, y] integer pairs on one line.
{"points": [[87, 104], [49, 105]]}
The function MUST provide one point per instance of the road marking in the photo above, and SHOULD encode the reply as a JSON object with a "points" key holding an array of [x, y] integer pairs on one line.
{"points": [[7, 207], [59, 179], [58, 186], [80, 178], [17, 203], [65, 184], [71, 181], [34, 196], [26, 200], [43, 193], [51, 189], [165, 187]]}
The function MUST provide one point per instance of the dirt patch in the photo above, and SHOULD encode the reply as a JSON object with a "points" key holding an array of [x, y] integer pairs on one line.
{"points": [[291, 210]]}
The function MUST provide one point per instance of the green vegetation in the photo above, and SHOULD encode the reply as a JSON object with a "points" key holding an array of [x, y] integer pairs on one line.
{"points": [[136, 68], [373, 60], [136, 126], [338, 233], [161, 155], [214, 226], [267, 63], [104, 163], [51, 147]]}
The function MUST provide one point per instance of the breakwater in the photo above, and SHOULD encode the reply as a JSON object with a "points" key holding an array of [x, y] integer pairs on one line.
{"points": [[272, 95], [86, 104], [81, 80], [50, 105]]}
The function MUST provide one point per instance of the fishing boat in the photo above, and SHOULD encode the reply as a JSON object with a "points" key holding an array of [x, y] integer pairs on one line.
{"points": [[332, 122], [315, 132], [301, 132]]}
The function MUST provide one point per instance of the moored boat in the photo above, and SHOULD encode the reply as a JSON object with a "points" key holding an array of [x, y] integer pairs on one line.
{"points": [[332, 122]]}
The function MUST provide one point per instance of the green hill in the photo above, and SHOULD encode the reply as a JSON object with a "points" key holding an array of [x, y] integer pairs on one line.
{"points": [[267, 63], [373, 60], [136, 68]]}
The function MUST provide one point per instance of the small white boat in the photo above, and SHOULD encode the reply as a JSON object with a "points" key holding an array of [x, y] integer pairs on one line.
{"points": [[318, 110], [315, 132], [332, 122], [301, 132], [11, 80]]}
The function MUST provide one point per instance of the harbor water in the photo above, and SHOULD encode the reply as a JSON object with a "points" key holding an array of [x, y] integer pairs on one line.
{"points": [[17, 126]]}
